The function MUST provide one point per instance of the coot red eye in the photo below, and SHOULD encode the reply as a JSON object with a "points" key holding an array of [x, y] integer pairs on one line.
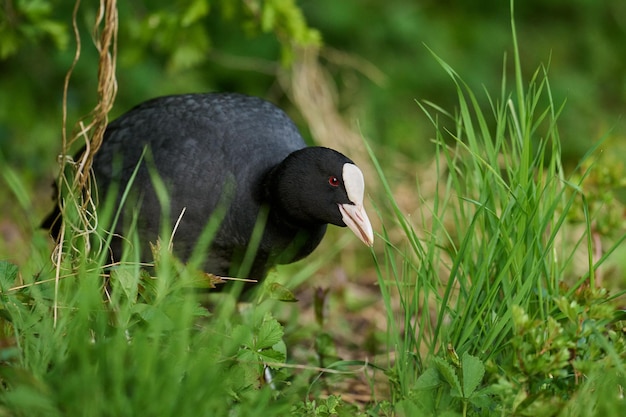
{"points": [[334, 181]]}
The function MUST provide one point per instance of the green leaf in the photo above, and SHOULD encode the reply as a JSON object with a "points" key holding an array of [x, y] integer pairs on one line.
{"points": [[57, 32], [428, 380], [271, 355], [270, 333], [196, 11], [279, 292], [127, 280], [407, 407], [9, 43], [473, 372], [8, 274], [246, 372], [482, 398], [447, 371], [242, 335], [281, 347], [150, 313], [268, 19]]}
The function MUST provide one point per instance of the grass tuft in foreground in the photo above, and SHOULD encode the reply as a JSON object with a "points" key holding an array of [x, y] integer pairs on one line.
{"points": [[142, 351]]}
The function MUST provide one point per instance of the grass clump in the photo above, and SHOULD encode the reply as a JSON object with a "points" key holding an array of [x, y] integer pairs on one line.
{"points": [[496, 316], [149, 349]]}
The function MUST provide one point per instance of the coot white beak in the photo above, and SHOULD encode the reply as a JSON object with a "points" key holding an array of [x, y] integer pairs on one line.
{"points": [[353, 214], [356, 219]]}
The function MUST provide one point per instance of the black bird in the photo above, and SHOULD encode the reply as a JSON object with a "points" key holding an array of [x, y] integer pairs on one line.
{"points": [[240, 150]]}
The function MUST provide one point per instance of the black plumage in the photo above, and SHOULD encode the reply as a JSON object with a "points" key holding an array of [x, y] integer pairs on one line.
{"points": [[235, 149]]}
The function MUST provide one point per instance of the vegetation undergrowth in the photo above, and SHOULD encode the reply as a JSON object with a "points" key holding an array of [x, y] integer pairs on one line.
{"points": [[494, 318], [489, 310], [133, 345]]}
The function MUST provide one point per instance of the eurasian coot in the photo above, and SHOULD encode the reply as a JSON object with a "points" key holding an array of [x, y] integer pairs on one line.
{"points": [[233, 149]]}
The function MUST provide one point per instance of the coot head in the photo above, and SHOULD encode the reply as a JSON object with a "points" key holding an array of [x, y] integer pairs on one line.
{"points": [[318, 185]]}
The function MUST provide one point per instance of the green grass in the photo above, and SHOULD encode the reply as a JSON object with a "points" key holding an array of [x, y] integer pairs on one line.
{"points": [[143, 350], [489, 311], [484, 280]]}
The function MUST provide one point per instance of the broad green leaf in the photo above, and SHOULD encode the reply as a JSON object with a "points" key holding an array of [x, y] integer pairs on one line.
{"points": [[447, 371], [473, 372], [127, 280], [428, 380], [271, 355], [150, 314], [242, 335], [270, 333], [246, 372], [407, 408]]}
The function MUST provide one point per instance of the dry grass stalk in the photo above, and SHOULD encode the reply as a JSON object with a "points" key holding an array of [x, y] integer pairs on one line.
{"points": [[90, 129]]}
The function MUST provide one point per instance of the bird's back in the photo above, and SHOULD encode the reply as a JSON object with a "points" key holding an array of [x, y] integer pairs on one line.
{"points": [[204, 147], [210, 133]]}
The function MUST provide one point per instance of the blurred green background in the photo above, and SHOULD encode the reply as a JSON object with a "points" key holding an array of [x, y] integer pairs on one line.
{"points": [[377, 53]]}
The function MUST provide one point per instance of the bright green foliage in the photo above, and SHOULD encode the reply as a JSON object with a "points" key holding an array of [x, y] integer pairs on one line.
{"points": [[181, 31], [553, 359], [127, 356], [29, 21], [445, 385], [600, 177], [184, 33], [331, 406], [486, 269]]}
